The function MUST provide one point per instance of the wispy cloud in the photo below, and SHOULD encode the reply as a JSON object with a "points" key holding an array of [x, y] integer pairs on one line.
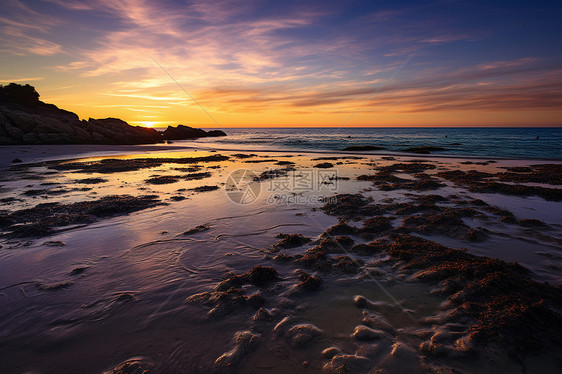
{"points": [[248, 57], [457, 90], [12, 79], [26, 30]]}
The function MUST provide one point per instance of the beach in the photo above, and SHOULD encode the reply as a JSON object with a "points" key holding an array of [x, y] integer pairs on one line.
{"points": [[193, 260], [218, 187]]}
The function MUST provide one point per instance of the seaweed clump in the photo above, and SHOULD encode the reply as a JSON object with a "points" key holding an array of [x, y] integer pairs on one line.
{"points": [[490, 302], [163, 179], [477, 181], [385, 179], [290, 241], [346, 205], [324, 165], [542, 173], [205, 188], [47, 218], [229, 296], [448, 223], [116, 165], [501, 301]]}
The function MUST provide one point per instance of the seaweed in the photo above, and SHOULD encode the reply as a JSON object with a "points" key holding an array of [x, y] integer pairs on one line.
{"points": [[45, 219]]}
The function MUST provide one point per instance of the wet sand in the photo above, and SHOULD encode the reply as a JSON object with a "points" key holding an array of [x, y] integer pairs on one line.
{"points": [[177, 262], [36, 153]]}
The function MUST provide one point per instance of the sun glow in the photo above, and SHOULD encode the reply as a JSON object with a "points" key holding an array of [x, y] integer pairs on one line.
{"points": [[149, 124], [296, 65]]}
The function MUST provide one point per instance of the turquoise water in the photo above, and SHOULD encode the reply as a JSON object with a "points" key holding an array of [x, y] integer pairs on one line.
{"points": [[476, 142]]}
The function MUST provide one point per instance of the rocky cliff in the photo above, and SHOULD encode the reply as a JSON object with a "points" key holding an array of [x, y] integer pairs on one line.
{"points": [[24, 119]]}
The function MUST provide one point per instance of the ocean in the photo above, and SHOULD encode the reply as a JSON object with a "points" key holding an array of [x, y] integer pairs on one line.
{"points": [[520, 143]]}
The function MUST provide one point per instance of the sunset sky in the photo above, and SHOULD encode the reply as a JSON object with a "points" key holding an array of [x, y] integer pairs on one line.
{"points": [[290, 63]]}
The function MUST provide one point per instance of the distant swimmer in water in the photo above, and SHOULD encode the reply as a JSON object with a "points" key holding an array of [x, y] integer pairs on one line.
{"points": [[537, 138], [446, 136]]}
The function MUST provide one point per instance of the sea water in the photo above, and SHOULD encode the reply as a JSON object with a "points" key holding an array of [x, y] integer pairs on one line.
{"points": [[523, 143]]}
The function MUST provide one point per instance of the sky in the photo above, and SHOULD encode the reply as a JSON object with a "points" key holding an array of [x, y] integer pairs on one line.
{"points": [[290, 63]]}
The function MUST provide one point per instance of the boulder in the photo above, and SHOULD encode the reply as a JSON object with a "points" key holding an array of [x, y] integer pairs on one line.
{"points": [[182, 132], [116, 131], [215, 133]]}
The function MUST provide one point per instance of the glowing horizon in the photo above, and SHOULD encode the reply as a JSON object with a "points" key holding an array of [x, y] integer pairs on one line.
{"points": [[264, 64]]}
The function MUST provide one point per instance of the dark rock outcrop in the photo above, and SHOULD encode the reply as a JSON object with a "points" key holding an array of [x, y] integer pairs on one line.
{"points": [[215, 133], [182, 132], [24, 119], [116, 131]]}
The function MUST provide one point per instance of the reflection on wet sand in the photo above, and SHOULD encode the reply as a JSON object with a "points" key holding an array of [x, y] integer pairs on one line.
{"points": [[145, 262]]}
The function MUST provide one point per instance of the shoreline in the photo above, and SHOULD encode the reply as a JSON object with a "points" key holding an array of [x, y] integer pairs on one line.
{"points": [[41, 153]]}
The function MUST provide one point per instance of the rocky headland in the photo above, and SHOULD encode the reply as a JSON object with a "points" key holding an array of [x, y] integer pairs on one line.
{"points": [[24, 119]]}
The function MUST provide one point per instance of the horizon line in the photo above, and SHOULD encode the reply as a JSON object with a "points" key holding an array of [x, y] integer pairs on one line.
{"points": [[358, 127]]}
